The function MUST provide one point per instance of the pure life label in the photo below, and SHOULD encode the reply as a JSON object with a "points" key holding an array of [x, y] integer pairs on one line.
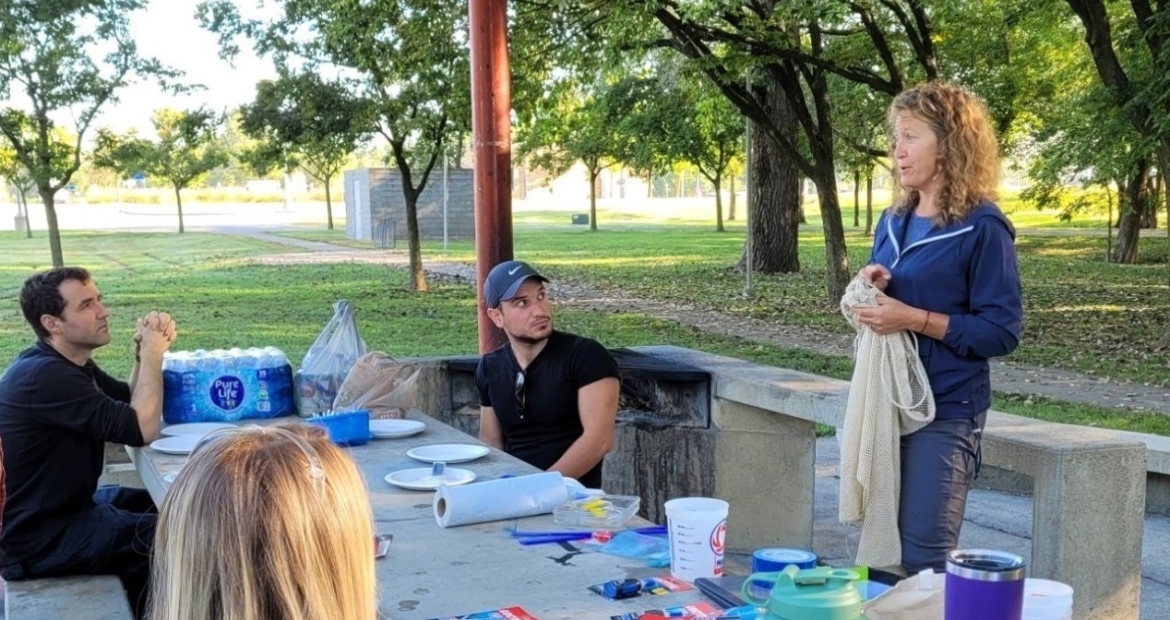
{"points": [[227, 393]]}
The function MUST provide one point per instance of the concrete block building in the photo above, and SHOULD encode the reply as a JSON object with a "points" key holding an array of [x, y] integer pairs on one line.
{"points": [[375, 209]]}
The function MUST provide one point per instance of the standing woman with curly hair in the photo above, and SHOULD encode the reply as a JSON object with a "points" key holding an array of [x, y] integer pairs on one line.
{"points": [[945, 259], [265, 523]]}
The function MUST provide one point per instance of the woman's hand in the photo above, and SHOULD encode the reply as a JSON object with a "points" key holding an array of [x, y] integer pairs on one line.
{"points": [[877, 275], [890, 315]]}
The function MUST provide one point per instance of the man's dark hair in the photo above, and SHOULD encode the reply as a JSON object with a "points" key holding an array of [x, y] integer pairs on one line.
{"points": [[41, 295]]}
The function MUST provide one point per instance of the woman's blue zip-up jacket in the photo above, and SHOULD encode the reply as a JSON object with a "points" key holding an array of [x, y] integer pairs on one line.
{"points": [[967, 271]]}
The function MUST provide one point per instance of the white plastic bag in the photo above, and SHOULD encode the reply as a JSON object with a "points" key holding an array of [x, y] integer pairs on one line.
{"points": [[334, 352], [918, 597]]}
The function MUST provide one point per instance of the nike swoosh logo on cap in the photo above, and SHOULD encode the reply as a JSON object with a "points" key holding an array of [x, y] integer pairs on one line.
{"points": [[514, 270]]}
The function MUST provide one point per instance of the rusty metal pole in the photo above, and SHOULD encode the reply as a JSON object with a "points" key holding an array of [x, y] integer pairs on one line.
{"points": [[491, 107]]}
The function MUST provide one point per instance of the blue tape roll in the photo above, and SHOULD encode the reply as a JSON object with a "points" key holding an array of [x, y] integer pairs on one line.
{"points": [[772, 560]]}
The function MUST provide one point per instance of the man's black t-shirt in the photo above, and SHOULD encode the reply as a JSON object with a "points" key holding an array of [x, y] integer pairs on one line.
{"points": [[55, 418], [552, 420]]}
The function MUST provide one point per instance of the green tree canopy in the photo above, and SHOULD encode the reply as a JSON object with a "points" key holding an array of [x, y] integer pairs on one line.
{"points": [[63, 59], [409, 56], [319, 123], [185, 151]]}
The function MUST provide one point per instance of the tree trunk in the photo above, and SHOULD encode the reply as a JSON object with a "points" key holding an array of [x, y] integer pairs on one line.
{"points": [[179, 206], [1150, 213], [800, 218], [48, 200], [649, 186], [774, 193], [328, 202], [718, 182], [22, 200], [856, 198], [1133, 206], [836, 253], [594, 172], [731, 201], [1108, 224], [869, 203], [286, 182], [418, 278]]}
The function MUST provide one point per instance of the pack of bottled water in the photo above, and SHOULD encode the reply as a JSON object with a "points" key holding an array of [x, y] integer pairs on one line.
{"points": [[225, 385]]}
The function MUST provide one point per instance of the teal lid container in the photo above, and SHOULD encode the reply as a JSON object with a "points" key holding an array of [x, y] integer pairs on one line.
{"points": [[822, 593]]}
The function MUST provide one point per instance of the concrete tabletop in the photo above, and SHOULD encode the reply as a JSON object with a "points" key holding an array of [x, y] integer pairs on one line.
{"points": [[433, 572]]}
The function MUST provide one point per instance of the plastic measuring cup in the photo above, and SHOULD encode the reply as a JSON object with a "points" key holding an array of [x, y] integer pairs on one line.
{"points": [[696, 526]]}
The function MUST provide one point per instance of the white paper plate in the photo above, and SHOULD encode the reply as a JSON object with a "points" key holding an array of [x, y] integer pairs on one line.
{"points": [[178, 444], [421, 480], [389, 429], [448, 453], [194, 428], [169, 478]]}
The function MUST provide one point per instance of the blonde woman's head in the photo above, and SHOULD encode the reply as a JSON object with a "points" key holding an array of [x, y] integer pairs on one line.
{"points": [[967, 166], [265, 523]]}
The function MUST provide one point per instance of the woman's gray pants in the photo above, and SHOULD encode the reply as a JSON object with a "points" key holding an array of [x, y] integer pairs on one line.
{"points": [[939, 463]]}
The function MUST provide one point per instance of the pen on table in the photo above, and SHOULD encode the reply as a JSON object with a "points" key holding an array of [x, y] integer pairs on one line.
{"points": [[649, 531]]}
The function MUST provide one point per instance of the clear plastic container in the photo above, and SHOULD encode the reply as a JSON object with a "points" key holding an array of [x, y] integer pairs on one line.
{"points": [[597, 512]]}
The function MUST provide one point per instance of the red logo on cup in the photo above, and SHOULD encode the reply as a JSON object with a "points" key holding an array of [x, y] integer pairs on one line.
{"points": [[717, 536]]}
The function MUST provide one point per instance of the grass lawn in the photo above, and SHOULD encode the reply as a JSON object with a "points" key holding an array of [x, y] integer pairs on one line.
{"points": [[1080, 312], [222, 299]]}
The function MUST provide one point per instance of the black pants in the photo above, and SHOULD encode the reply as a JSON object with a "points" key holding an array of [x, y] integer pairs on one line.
{"points": [[113, 538], [939, 463]]}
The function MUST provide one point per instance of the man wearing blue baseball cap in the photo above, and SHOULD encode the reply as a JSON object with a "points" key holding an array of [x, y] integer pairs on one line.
{"points": [[547, 397]]}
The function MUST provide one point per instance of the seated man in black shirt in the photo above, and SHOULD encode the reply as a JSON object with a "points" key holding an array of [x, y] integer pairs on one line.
{"points": [[546, 397], [57, 411]]}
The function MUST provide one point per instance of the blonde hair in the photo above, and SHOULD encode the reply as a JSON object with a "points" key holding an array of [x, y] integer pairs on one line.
{"points": [[967, 148], [265, 523]]}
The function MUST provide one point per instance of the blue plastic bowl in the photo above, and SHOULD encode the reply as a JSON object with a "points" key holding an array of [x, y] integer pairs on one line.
{"points": [[351, 428]]}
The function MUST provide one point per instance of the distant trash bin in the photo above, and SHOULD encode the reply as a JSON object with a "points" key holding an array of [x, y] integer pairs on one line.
{"points": [[21, 224], [384, 233], [580, 219]]}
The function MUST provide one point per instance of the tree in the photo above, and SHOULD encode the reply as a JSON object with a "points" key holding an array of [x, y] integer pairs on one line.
{"points": [[320, 122], [409, 56], [650, 136], [19, 180], [63, 58], [792, 51], [581, 125], [715, 139], [186, 150]]}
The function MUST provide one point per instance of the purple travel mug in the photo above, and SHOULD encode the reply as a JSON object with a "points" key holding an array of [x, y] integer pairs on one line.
{"points": [[984, 584]]}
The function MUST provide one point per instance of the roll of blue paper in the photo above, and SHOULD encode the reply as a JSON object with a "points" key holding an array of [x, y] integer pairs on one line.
{"points": [[772, 560]]}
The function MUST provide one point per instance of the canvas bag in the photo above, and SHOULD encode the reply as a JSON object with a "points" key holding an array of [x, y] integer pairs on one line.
{"points": [[889, 396], [380, 384]]}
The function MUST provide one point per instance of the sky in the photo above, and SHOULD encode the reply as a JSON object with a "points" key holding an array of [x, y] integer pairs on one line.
{"points": [[168, 31]]}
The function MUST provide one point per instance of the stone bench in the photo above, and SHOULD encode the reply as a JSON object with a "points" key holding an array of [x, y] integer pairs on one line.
{"points": [[92, 597]]}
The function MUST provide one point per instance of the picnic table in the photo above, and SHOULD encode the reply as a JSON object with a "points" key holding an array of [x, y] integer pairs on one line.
{"points": [[432, 572]]}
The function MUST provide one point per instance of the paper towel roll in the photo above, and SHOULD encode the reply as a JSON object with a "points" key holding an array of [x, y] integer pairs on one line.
{"points": [[495, 500]]}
